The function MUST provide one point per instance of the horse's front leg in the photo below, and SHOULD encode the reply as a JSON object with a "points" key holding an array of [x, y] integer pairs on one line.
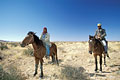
{"points": [[96, 67], [41, 68], [101, 63], [105, 59], [53, 58], [36, 65]]}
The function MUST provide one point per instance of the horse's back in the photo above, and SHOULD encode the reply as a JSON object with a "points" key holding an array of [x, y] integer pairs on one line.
{"points": [[53, 47]]}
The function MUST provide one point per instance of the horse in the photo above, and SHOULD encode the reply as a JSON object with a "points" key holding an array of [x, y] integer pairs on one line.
{"points": [[39, 50], [98, 49]]}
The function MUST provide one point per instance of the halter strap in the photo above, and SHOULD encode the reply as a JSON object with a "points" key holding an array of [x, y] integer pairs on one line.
{"points": [[30, 40]]}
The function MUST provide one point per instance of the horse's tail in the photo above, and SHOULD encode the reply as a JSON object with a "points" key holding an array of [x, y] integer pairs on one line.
{"points": [[108, 56], [55, 48], [55, 51]]}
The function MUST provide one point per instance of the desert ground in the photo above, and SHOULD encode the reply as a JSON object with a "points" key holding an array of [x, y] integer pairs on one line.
{"points": [[75, 63]]}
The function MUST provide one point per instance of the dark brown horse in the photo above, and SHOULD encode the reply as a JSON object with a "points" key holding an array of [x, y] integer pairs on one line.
{"points": [[39, 50], [98, 49]]}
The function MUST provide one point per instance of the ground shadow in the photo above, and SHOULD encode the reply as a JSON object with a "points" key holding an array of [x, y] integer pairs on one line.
{"points": [[106, 72], [115, 65], [98, 74], [73, 73], [101, 75], [59, 61], [1, 58], [91, 74]]}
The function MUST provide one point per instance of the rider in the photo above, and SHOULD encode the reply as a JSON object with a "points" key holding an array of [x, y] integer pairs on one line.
{"points": [[45, 37], [100, 34]]}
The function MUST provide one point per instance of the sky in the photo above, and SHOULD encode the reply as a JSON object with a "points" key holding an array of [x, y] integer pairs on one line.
{"points": [[66, 20]]}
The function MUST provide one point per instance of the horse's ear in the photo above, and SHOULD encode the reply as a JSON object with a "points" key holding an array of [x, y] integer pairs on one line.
{"points": [[35, 32], [89, 36]]}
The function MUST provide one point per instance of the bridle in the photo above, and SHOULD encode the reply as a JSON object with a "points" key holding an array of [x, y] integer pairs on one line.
{"points": [[30, 40]]}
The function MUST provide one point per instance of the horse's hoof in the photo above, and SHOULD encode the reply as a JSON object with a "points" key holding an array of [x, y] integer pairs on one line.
{"points": [[53, 63], [96, 71], [100, 71], [109, 58], [57, 64], [34, 74], [105, 65], [41, 76]]}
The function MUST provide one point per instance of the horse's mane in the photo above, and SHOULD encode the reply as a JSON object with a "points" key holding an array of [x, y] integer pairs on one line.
{"points": [[98, 42], [37, 40]]}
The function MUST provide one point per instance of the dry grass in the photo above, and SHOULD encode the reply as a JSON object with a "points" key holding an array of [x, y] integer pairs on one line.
{"points": [[12, 73], [28, 52], [3, 46], [75, 63]]}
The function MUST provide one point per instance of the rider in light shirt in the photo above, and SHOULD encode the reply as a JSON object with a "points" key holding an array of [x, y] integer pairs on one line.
{"points": [[45, 37]]}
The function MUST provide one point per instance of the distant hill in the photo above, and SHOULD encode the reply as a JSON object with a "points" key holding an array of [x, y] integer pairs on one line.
{"points": [[3, 41]]}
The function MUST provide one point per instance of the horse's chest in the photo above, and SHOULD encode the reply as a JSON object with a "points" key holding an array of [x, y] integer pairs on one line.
{"points": [[39, 53]]}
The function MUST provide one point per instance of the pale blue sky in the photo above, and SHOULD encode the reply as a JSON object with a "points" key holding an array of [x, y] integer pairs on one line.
{"points": [[66, 20]]}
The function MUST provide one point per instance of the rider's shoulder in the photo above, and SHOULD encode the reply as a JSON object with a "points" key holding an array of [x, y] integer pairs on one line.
{"points": [[47, 33], [103, 29], [97, 30]]}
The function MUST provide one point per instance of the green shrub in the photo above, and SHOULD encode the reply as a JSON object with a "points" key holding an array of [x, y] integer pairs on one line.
{"points": [[28, 52], [14, 44], [3, 47]]}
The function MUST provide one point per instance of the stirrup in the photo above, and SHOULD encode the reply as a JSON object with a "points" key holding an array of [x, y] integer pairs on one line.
{"points": [[47, 57], [90, 52]]}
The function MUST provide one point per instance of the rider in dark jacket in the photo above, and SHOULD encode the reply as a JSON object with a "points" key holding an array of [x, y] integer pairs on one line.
{"points": [[100, 34]]}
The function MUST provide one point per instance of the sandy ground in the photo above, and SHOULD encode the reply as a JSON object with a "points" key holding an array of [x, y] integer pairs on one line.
{"points": [[75, 63]]}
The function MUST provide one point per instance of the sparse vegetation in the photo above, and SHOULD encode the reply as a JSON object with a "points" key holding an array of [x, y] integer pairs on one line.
{"points": [[3, 46], [72, 73], [28, 52], [1, 56], [75, 63], [14, 44], [12, 74]]}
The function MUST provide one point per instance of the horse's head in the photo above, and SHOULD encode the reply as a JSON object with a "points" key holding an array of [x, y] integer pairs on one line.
{"points": [[29, 39], [91, 42]]}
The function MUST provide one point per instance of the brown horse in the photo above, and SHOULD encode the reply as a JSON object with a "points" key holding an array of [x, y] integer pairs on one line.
{"points": [[97, 48], [39, 50]]}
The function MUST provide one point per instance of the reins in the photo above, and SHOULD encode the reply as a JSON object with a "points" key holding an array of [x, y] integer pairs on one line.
{"points": [[30, 40]]}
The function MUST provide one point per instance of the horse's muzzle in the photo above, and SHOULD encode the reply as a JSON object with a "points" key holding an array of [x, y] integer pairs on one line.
{"points": [[22, 45]]}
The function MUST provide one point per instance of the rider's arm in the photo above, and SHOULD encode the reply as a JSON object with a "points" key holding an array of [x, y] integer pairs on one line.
{"points": [[95, 34], [47, 38], [41, 37], [104, 34]]}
